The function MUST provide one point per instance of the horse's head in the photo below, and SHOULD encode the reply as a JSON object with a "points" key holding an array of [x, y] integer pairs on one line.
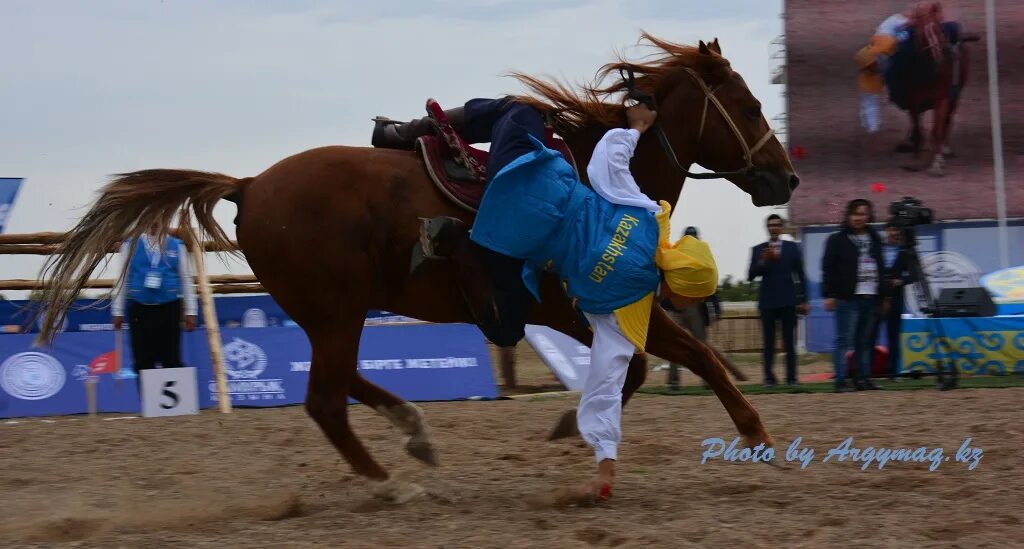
{"points": [[708, 106]]}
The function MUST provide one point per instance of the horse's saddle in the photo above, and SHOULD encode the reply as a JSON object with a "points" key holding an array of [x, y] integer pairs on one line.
{"points": [[460, 170]]}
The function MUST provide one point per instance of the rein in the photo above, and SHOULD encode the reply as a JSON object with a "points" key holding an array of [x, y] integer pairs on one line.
{"points": [[629, 81]]}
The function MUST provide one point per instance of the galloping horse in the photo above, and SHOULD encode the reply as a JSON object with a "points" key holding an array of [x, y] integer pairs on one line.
{"points": [[369, 201], [929, 73]]}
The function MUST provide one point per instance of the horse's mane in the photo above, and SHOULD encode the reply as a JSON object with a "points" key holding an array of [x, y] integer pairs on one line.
{"points": [[588, 104]]}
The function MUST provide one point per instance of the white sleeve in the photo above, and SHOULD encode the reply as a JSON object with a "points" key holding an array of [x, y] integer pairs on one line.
{"points": [[188, 287], [609, 170], [117, 297]]}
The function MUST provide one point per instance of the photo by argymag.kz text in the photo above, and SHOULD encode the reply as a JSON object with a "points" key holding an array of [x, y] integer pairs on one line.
{"points": [[735, 452]]}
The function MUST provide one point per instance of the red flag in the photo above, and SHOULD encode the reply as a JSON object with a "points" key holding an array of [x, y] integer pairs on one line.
{"points": [[103, 364], [878, 187], [798, 152]]}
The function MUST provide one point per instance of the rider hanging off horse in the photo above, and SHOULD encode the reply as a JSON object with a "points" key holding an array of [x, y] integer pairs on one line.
{"points": [[924, 65], [609, 245]]}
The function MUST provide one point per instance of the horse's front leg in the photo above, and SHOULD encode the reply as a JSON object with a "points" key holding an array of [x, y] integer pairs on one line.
{"points": [[670, 342], [940, 117]]}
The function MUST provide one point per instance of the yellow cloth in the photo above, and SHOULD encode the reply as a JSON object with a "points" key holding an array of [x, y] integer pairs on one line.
{"points": [[869, 80], [689, 270], [688, 265], [883, 44], [634, 320]]}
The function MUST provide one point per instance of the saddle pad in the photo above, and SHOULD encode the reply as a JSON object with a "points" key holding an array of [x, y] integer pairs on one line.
{"points": [[460, 184]]}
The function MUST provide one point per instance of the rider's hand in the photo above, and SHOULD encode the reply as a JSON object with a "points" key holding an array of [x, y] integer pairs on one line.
{"points": [[640, 117]]}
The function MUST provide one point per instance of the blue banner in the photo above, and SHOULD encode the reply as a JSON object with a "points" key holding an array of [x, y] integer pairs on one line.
{"points": [[977, 345], [8, 192], [91, 315], [264, 367]]}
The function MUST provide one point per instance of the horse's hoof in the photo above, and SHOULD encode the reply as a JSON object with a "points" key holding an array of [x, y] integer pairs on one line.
{"points": [[396, 491], [566, 426], [904, 148], [423, 451]]}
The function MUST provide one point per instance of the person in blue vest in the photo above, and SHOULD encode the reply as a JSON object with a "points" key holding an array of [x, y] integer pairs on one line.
{"points": [[610, 246], [158, 290], [782, 295]]}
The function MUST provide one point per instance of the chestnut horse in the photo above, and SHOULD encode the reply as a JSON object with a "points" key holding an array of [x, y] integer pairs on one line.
{"points": [[360, 207], [934, 74]]}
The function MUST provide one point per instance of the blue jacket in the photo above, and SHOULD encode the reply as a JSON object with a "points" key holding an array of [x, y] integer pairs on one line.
{"points": [[536, 209], [779, 278]]}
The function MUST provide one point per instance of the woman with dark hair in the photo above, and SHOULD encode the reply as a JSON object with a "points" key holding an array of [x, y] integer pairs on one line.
{"points": [[853, 288]]}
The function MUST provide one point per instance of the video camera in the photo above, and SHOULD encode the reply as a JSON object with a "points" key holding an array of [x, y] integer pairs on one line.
{"points": [[909, 212]]}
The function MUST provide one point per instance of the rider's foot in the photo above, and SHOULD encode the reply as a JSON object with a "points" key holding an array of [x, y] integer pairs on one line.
{"points": [[600, 487]]}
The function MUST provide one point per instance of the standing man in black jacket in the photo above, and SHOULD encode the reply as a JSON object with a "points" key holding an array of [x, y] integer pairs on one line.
{"points": [[852, 284], [896, 274], [781, 296]]}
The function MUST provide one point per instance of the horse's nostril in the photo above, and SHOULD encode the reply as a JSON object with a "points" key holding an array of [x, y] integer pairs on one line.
{"points": [[794, 181]]}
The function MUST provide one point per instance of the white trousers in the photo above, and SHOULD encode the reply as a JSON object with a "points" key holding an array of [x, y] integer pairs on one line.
{"points": [[599, 416], [870, 111]]}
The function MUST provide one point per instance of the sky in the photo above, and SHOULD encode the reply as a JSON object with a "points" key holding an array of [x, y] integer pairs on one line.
{"points": [[103, 87]]}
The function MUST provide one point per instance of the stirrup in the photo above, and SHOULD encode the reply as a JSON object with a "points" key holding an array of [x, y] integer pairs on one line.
{"points": [[437, 235]]}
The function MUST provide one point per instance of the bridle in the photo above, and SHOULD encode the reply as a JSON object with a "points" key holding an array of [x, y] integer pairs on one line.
{"points": [[629, 81]]}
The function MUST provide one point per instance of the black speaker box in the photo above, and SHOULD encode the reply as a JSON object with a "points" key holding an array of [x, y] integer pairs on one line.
{"points": [[960, 302]]}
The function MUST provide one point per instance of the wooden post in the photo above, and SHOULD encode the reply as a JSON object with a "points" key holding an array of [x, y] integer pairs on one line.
{"points": [[90, 393], [210, 313]]}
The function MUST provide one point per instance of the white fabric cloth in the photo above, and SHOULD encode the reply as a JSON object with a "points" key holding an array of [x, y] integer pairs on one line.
{"points": [[188, 290], [867, 267], [599, 416], [870, 112], [609, 170]]}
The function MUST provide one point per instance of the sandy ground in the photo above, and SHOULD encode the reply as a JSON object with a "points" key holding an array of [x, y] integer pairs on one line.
{"points": [[268, 478]]}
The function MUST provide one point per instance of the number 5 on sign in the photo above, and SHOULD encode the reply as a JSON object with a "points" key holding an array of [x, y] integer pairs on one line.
{"points": [[169, 392]]}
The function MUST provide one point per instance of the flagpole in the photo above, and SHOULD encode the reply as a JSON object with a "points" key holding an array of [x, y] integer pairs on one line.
{"points": [[997, 134]]}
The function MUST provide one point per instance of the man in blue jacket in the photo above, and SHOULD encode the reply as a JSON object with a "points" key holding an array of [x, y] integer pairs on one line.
{"points": [[780, 265]]}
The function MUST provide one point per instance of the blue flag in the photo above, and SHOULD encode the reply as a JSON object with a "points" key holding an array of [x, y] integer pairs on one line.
{"points": [[8, 192]]}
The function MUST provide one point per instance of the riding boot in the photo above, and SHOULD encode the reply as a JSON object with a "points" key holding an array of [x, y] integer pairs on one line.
{"points": [[390, 134]]}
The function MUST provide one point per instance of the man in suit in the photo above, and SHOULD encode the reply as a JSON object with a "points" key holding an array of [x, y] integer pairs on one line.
{"points": [[780, 265], [895, 274]]}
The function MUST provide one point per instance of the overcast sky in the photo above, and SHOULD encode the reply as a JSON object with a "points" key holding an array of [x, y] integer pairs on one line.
{"points": [[101, 87]]}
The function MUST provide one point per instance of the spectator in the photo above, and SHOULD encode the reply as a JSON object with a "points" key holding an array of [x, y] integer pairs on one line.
{"points": [[853, 287], [782, 292], [694, 318], [157, 280], [896, 274]]}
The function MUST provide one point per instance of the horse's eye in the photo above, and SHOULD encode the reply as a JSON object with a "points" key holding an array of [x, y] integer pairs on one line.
{"points": [[754, 113]]}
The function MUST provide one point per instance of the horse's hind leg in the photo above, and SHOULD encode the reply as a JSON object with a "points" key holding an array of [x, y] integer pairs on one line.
{"points": [[405, 416], [335, 351]]}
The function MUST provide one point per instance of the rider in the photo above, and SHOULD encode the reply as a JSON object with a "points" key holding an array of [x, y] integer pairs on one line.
{"points": [[609, 245]]}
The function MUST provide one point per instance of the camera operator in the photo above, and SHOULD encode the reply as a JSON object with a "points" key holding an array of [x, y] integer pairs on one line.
{"points": [[896, 275]]}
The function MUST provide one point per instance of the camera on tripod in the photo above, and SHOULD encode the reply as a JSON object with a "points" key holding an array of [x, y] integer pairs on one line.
{"points": [[909, 212]]}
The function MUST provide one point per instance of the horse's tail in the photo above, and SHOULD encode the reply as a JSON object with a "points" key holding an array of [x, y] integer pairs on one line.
{"points": [[127, 207]]}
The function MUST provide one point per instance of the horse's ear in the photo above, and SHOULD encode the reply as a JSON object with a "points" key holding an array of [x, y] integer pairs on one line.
{"points": [[703, 48], [715, 47]]}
